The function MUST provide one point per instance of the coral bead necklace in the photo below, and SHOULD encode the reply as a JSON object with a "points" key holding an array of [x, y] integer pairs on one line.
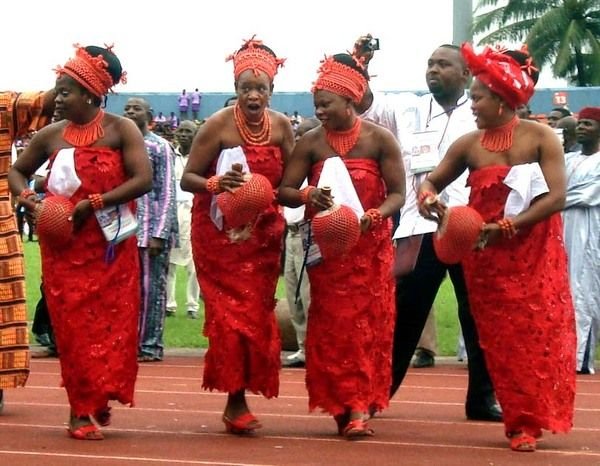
{"points": [[342, 142], [260, 138]]}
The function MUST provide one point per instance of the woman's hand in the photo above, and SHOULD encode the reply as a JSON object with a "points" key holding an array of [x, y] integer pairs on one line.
{"points": [[81, 212], [365, 223], [231, 180], [432, 208], [490, 235], [319, 199]]}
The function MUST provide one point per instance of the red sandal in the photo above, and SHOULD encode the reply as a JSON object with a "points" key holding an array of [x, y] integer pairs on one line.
{"points": [[86, 432], [520, 441], [243, 424], [357, 428]]}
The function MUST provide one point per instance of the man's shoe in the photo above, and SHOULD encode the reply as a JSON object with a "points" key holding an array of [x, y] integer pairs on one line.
{"points": [[192, 315], [294, 360], [423, 359], [43, 339], [170, 313], [484, 412]]}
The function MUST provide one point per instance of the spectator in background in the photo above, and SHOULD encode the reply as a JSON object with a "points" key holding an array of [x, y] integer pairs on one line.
{"points": [[173, 121], [568, 125], [195, 100], [523, 112], [556, 114], [297, 288], [157, 233], [182, 255], [295, 120], [582, 235], [183, 102]]}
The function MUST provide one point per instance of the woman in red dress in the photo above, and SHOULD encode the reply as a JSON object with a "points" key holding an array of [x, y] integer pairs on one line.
{"points": [[237, 276], [351, 323], [518, 284], [97, 160]]}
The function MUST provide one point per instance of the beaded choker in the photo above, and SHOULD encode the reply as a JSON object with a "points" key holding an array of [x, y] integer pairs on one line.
{"points": [[260, 138], [501, 138], [87, 134], [342, 142]]}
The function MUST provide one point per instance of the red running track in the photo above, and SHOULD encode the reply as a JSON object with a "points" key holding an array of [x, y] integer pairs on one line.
{"points": [[175, 423]]}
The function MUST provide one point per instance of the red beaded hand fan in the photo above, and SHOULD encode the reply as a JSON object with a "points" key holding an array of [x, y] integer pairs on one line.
{"points": [[457, 234], [335, 230], [247, 202], [52, 220]]}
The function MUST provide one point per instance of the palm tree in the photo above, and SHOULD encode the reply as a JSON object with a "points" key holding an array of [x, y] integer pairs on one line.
{"points": [[563, 33]]}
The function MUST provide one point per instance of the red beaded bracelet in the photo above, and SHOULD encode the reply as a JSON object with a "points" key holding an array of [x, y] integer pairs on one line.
{"points": [[27, 193], [213, 186], [96, 201], [425, 195], [375, 216], [507, 226], [305, 194]]}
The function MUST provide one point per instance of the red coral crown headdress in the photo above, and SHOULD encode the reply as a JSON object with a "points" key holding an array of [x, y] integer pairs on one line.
{"points": [[501, 73], [251, 56], [341, 79], [91, 72]]}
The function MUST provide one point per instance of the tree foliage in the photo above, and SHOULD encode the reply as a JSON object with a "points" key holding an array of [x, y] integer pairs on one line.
{"points": [[561, 33]]}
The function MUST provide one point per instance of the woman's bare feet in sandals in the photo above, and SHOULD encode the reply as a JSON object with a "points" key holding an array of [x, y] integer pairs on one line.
{"points": [[82, 428]]}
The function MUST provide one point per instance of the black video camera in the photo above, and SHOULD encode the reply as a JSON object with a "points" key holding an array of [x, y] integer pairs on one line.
{"points": [[370, 45]]}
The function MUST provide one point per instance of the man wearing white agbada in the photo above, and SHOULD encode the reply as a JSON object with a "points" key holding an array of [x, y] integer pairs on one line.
{"points": [[582, 235]]}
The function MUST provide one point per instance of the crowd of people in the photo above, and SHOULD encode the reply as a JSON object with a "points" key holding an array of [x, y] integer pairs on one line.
{"points": [[528, 302]]}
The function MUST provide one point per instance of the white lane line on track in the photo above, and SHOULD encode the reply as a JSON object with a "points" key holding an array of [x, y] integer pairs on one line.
{"points": [[144, 459]]}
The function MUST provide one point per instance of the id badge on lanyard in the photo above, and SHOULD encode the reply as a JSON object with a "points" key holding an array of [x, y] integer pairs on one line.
{"points": [[424, 153]]}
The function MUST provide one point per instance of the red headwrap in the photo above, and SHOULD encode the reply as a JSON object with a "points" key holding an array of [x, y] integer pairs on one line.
{"points": [[91, 72], [253, 57], [501, 73], [590, 113], [340, 79]]}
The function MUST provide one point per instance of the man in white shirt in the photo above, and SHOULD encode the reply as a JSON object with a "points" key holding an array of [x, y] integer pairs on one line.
{"points": [[294, 271], [446, 115]]}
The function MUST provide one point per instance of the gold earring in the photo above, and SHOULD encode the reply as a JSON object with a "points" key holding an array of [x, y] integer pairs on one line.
{"points": [[500, 110]]}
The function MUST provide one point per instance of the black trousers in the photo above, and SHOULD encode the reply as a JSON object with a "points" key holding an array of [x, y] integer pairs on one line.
{"points": [[415, 294], [41, 319]]}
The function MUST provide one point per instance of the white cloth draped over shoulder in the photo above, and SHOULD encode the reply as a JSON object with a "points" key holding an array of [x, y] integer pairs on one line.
{"points": [[582, 240], [63, 179], [335, 176], [526, 182], [226, 159]]}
